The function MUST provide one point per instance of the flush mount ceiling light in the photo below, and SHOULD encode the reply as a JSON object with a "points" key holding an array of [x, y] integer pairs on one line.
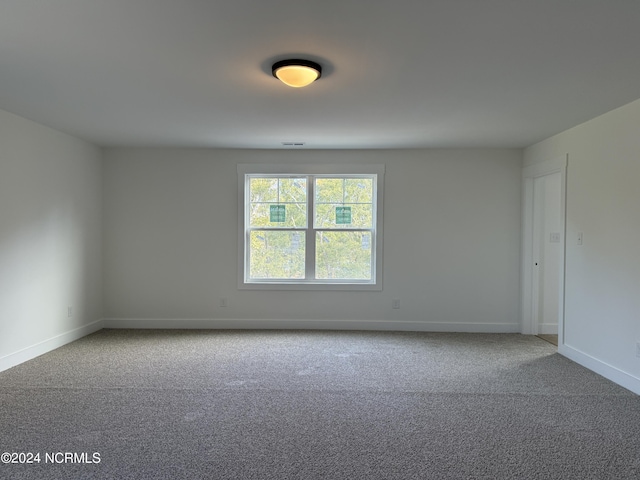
{"points": [[296, 73]]}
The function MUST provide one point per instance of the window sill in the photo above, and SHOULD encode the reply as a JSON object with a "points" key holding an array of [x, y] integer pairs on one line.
{"points": [[311, 286]]}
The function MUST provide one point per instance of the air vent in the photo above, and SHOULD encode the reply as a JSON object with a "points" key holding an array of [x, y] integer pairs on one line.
{"points": [[293, 144]]}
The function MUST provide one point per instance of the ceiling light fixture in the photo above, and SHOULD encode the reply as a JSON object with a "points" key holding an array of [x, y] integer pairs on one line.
{"points": [[296, 73]]}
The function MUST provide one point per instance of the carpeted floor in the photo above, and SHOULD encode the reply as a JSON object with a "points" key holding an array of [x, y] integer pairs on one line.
{"points": [[315, 405]]}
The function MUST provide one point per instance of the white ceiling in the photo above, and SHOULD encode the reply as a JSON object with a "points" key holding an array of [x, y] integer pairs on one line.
{"points": [[402, 73]]}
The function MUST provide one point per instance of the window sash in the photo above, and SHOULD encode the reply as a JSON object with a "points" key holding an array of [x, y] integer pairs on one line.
{"points": [[310, 235]]}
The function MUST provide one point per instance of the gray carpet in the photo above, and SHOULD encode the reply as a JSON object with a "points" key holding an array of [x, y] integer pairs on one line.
{"points": [[316, 405]]}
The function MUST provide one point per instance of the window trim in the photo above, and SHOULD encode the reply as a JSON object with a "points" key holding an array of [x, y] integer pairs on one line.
{"points": [[312, 169]]}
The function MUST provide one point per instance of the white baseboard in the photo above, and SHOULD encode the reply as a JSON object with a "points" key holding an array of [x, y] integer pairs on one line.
{"points": [[293, 324], [548, 328], [609, 372], [45, 346]]}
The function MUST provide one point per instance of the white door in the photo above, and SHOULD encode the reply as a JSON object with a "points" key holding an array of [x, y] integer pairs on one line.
{"points": [[547, 235]]}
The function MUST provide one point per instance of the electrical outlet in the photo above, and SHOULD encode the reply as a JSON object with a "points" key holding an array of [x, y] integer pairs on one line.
{"points": [[223, 302], [69, 312], [395, 303], [638, 349]]}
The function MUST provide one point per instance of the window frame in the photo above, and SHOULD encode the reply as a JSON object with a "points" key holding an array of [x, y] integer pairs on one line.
{"points": [[325, 170]]}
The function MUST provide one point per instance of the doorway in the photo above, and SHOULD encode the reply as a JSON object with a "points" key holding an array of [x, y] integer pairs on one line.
{"points": [[546, 254], [543, 250]]}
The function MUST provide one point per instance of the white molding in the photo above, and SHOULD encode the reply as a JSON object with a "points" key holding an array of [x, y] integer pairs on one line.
{"points": [[609, 372], [244, 169], [306, 324], [311, 168], [40, 348], [545, 168]]}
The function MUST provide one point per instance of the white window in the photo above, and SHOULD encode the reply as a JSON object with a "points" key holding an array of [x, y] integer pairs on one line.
{"points": [[310, 227]]}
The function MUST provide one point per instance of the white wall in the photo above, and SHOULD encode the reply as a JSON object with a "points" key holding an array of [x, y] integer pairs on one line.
{"points": [[451, 242], [602, 299], [50, 239]]}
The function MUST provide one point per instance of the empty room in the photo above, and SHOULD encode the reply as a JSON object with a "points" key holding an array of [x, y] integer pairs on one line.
{"points": [[305, 240]]}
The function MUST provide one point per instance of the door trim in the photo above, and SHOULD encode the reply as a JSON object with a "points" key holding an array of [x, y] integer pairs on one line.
{"points": [[528, 289]]}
